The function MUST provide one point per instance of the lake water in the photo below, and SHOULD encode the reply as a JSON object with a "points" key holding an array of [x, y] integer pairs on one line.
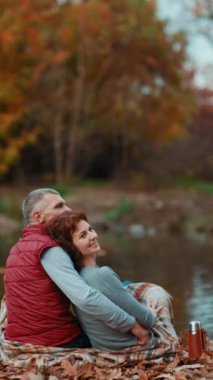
{"points": [[184, 267]]}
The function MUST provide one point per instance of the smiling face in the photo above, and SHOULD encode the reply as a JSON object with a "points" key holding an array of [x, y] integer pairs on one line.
{"points": [[85, 239]]}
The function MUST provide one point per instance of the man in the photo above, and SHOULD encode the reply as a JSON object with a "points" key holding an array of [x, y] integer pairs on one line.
{"points": [[40, 282]]}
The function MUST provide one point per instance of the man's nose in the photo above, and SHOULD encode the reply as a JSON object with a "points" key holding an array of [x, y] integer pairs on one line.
{"points": [[67, 208]]}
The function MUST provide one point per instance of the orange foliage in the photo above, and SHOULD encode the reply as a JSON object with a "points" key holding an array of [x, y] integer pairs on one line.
{"points": [[179, 369], [74, 67]]}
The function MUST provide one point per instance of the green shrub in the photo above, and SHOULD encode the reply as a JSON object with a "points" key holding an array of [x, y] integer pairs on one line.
{"points": [[5, 206], [63, 188], [117, 213], [10, 206]]}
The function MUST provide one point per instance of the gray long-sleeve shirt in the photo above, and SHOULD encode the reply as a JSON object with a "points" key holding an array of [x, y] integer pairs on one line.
{"points": [[103, 336], [60, 269]]}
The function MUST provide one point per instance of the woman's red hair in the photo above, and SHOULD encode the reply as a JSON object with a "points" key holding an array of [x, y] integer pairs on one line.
{"points": [[61, 229]]}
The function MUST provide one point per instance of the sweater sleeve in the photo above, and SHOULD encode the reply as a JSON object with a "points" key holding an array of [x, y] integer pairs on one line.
{"points": [[107, 281], [60, 269]]}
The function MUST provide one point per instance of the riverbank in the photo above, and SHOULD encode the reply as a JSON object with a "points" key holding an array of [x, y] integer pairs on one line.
{"points": [[137, 213]]}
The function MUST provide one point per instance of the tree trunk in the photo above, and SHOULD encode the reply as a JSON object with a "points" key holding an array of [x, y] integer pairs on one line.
{"points": [[58, 126], [58, 155], [72, 137]]}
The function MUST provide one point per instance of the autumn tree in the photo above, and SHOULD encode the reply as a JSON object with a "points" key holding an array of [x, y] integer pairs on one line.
{"points": [[195, 19], [21, 45], [200, 143], [92, 80], [202, 16]]}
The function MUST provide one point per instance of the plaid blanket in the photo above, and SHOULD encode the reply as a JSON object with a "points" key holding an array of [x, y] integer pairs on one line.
{"points": [[162, 346]]}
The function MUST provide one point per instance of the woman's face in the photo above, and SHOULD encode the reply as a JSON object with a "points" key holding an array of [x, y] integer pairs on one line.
{"points": [[85, 239]]}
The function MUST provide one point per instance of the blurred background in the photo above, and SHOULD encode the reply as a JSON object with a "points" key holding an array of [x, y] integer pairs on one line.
{"points": [[111, 103]]}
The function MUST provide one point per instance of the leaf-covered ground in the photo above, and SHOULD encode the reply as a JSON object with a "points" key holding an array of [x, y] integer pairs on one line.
{"points": [[179, 368]]}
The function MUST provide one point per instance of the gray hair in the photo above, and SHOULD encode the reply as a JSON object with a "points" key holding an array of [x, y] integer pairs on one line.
{"points": [[32, 199]]}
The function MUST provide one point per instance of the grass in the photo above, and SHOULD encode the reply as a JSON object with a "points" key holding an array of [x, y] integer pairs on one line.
{"points": [[66, 188], [91, 182], [193, 183]]}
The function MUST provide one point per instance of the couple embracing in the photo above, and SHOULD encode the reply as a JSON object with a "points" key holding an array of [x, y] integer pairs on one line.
{"points": [[57, 295]]}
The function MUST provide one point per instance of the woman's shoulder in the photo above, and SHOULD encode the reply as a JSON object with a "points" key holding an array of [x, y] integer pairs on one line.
{"points": [[96, 271], [105, 268], [106, 273]]}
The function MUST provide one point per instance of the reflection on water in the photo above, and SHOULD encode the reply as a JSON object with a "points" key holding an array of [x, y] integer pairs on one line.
{"points": [[183, 266], [200, 304]]}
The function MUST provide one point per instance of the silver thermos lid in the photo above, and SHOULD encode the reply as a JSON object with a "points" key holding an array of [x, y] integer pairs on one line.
{"points": [[194, 326]]}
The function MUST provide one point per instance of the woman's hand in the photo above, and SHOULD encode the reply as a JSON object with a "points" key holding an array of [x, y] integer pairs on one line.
{"points": [[141, 333]]}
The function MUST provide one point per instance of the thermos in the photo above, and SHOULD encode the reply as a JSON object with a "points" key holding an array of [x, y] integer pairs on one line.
{"points": [[195, 340]]}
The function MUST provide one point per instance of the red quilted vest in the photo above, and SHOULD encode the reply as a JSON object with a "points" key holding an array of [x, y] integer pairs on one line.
{"points": [[37, 311]]}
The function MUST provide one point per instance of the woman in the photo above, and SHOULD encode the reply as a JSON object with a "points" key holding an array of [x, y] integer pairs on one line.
{"points": [[73, 232]]}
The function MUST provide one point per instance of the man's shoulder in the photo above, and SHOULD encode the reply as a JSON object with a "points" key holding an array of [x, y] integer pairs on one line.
{"points": [[56, 254]]}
